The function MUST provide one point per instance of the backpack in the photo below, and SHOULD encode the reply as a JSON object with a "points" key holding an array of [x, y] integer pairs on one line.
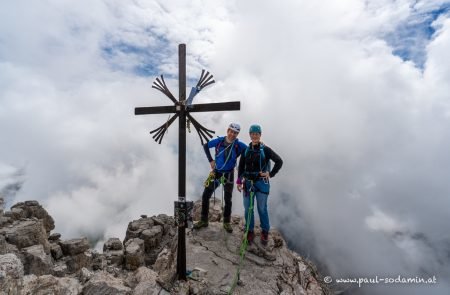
{"points": [[260, 185], [262, 157]]}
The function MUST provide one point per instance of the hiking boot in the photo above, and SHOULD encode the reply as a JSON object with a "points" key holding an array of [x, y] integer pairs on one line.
{"points": [[227, 227], [264, 237], [250, 236], [201, 224]]}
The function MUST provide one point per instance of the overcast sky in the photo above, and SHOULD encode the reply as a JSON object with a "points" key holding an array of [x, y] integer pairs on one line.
{"points": [[354, 96]]}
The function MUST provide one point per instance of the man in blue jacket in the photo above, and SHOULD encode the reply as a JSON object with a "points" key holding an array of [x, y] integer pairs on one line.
{"points": [[227, 149]]}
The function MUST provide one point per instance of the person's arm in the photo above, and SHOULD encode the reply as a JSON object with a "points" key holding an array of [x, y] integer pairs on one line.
{"points": [[206, 148], [241, 166], [240, 171], [207, 152], [242, 147], [274, 157]]}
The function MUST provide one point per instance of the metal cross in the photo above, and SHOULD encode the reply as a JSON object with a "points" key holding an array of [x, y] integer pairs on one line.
{"points": [[182, 109]]}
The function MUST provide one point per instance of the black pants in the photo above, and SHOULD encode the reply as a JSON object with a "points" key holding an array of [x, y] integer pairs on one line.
{"points": [[228, 190]]}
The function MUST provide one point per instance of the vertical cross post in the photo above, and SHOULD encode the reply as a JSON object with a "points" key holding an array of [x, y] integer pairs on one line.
{"points": [[181, 253]]}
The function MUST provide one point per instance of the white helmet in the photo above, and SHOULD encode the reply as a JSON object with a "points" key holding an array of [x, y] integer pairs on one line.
{"points": [[235, 127]]}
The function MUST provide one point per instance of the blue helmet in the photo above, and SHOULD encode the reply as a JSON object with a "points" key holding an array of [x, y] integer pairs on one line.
{"points": [[255, 129]]}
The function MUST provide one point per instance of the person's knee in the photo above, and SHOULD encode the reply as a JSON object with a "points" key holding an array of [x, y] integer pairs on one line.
{"points": [[207, 193], [228, 189]]}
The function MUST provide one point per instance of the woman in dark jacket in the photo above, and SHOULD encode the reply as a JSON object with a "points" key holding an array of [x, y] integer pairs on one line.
{"points": [[253, 177]]}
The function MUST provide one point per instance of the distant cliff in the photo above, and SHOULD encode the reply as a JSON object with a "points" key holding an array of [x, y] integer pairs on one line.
{"points": [[33, 260]]}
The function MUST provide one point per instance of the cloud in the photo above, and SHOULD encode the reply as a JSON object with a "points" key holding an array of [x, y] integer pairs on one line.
{"points": [[363, 131], [358, 127]]}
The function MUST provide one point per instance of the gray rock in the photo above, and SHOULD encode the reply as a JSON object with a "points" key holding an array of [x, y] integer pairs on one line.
{"points": [[152, 241], [106, 284], [113, 244], [60, 269], [136, 227], [165, 264], [147, 288], [48, 284], [134, 254], [36, 261], [99, 261], [54, 237], [78, 261], [156, 231], [113, 251], [152, 237], [56, 251], [2, 245], [26, 233], [215, 210], [265, 270], [114, 257], [5, 220], [141, 275], [18, 213], [30, 209], [85, 275], [74, 246], [11, 274]]}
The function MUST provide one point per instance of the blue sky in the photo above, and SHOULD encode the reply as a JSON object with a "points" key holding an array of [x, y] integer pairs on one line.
{"points": [[410, 38]]}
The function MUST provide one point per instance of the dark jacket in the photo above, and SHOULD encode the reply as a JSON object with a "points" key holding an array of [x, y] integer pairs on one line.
{"points": [[251, 162]]}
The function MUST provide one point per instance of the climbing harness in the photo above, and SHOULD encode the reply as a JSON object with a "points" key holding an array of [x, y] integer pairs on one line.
{"points": [[221, 152], [262, 157], [211, 177]]}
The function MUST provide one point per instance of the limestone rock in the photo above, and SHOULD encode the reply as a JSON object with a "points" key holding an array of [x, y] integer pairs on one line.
{"points": [[143, 281], [156, 232], [54, 237], [56, 251], [152, 237], [74, 246], [78, 261], [134, 254], [165, 264], [215, 210], [11, 274], [36, 261], [5, 220], [3, 245], [60, 269], [26, 233], [85, 275], [104, 283], [265, 270], [113, 244], [2, 205], [48, 284], [30, 209], [99, 261], [145, 263], [113, 251]]}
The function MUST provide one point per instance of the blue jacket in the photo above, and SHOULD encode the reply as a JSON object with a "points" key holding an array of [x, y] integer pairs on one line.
{"points": [[222, 153]]}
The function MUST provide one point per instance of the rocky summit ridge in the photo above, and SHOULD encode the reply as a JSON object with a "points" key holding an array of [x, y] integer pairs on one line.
{"points": [[35, 260]]}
